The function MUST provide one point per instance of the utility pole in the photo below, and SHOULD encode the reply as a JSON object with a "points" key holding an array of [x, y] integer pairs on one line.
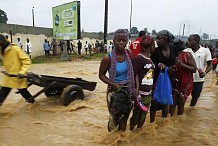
{"points": [[105, 21], [33, 16], [130, 20], [183, 30], [185, 26]]}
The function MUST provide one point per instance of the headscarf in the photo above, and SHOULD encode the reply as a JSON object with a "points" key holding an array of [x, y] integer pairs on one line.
{"points": [[179, 44], [146, 41], [2, 37], [168, 35], [121, 32], [178, 41], [4, 44]]}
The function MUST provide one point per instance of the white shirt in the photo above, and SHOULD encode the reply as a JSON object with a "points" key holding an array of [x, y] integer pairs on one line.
{"points": [[110, 48], [87, 46], [19, 44], [29, 46], [201, 57]]}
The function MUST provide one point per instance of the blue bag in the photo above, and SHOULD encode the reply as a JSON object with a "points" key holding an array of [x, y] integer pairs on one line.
{"points": [[163, 88]]}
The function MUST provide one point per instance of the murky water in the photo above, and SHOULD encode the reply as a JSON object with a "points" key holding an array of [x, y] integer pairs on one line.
{"points": [[47, 122]]}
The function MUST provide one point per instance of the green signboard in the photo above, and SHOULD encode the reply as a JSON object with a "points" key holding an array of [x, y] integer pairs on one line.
{"points": [[66, 21]]}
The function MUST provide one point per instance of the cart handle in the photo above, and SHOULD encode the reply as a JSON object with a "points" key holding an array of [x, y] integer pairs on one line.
{"points": [[12, 75]]}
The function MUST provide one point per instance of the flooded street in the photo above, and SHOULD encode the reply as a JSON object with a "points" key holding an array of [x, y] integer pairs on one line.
{"points": [[84, 122]]}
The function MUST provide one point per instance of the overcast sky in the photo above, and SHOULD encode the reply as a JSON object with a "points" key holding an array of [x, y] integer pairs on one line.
{"points": [[199, 16]]}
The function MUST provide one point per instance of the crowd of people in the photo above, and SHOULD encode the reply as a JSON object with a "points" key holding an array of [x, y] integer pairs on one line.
{"points": [[56, 47], [133, 72], [138, 68]]}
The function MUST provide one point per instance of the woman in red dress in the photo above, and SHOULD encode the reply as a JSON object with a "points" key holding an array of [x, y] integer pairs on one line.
{"points": [[185, 67]]}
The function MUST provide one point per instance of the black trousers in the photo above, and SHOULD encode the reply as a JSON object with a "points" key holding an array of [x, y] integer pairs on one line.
{"points": [[4, 91]]}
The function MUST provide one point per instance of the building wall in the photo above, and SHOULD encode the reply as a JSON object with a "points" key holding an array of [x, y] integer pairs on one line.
{"points": [[37, 35]]}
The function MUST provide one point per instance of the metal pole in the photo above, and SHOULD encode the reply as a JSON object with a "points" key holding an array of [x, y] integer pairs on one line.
{"points": [[130, 20], [11, 36], [105, 21], [33, 16], [183, 31]]}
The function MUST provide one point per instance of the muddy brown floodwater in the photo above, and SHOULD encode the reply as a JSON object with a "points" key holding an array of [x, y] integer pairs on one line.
{"points": [[47, 122]]}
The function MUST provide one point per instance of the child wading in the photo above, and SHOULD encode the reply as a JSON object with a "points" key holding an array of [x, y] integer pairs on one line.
{"points": [[143, 70]]}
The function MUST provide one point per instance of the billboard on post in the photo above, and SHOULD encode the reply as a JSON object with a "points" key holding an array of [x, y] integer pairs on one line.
{"points": [[66, 21]]}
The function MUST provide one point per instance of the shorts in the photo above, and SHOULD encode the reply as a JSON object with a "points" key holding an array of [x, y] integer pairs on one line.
{"points": [[116, 114], [197, 89]]}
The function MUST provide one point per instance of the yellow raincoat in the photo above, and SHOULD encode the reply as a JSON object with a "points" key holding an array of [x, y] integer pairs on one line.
{"points": [[16, 62]]}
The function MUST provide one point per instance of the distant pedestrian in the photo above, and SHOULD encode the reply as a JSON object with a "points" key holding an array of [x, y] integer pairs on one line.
{"points": [[46, 47], [72, 47], [28, 48], [69, 51], [19, 43], [61, 45], [90, 49], [110, 47], [54, 45], [79, 44], [135, 45], [86, 47]]}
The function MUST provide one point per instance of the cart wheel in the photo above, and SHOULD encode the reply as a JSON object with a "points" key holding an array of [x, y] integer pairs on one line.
{"points": [[71, 93], [53, 91]]}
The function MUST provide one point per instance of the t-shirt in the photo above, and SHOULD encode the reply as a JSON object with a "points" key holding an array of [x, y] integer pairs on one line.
{"points": [[28, 48], [135, 47], [110, 48], [19, 44], [201, 56], [86, 46], [158, 57], [144, 67]]}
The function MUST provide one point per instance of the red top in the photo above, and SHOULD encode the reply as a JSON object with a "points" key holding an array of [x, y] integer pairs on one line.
{"points": [[184, 78], [135, 47]]}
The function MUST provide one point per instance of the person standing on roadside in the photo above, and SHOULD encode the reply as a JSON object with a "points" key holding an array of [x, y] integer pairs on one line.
{"points": [[46, 47], [19, 43], [79, 46], [28, 48], [54, 45], [202, 56], [86, 47]]}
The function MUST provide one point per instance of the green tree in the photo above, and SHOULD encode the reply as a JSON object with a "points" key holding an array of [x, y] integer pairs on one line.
{"points": [[154, 32], [205, 36], [146, 30], [3, 17]]}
